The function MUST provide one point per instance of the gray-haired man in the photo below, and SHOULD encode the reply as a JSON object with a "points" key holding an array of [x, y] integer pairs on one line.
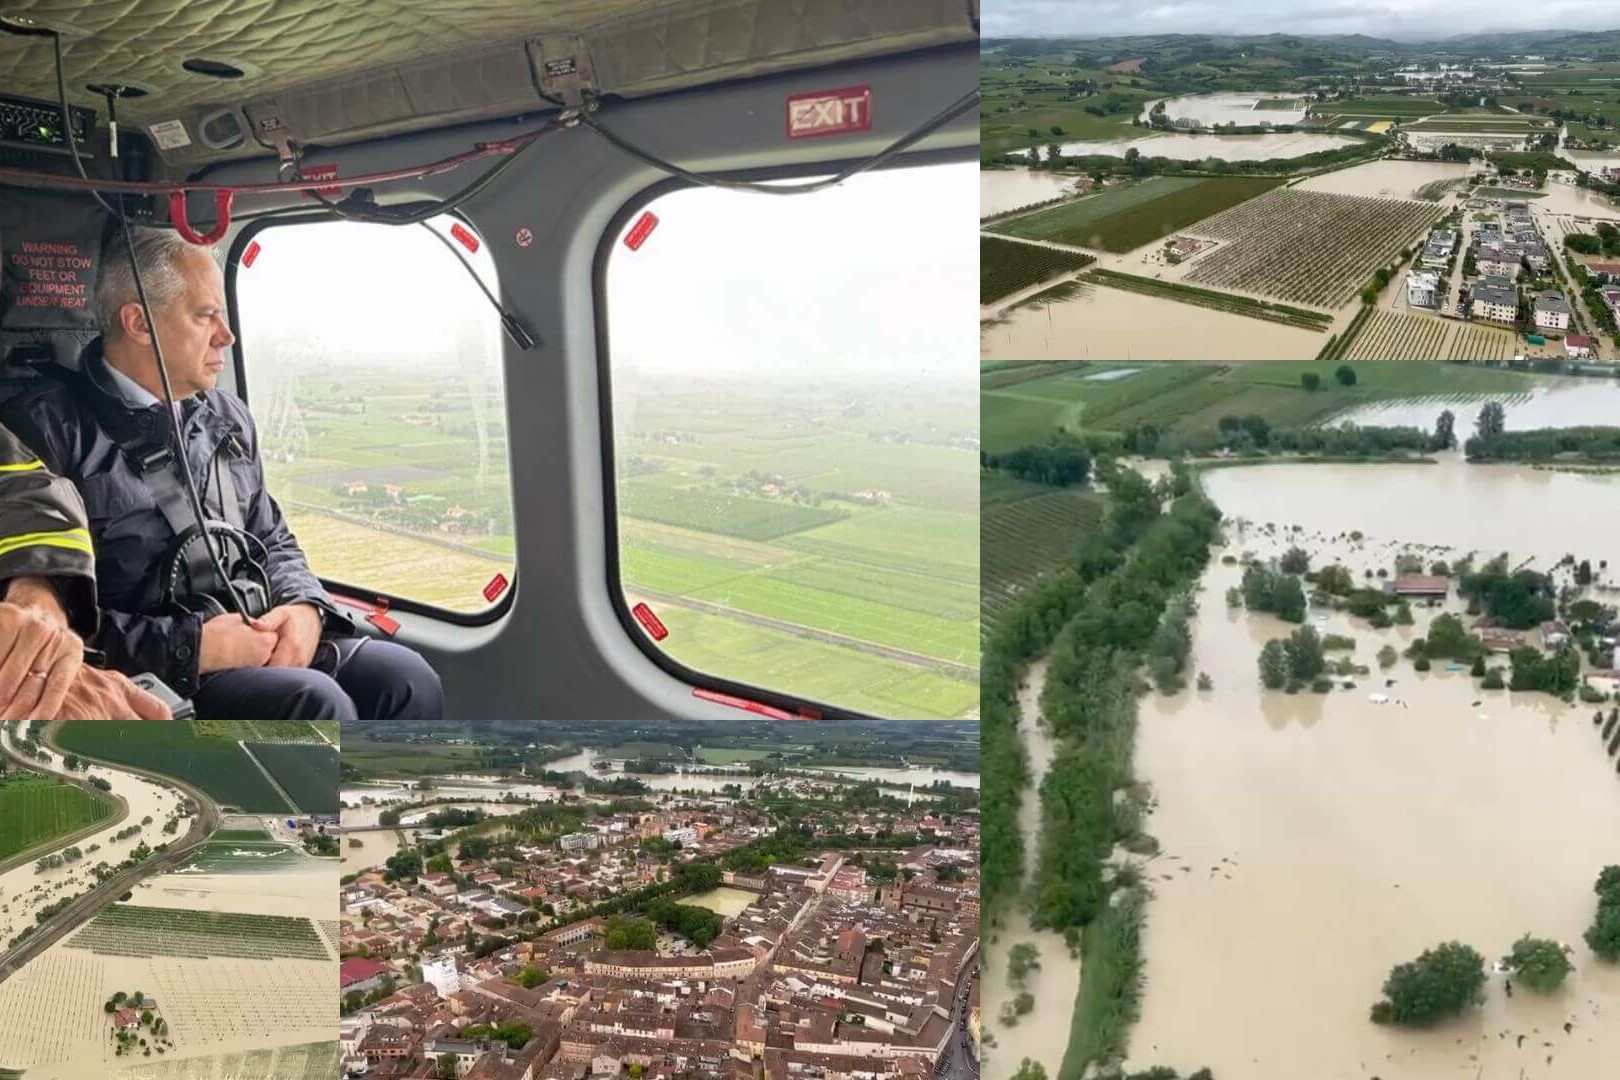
{"points": [[103, 428]]}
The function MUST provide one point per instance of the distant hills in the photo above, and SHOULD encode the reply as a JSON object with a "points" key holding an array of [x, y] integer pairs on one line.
{"points": [[1554, 44]]}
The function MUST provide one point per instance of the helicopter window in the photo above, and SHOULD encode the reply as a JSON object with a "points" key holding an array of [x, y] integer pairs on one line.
{"points": [[384, 439], [795, 420]]}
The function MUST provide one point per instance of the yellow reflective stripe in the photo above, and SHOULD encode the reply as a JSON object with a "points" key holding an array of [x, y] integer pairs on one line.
{"points": [[23, 466], [77, 539]]}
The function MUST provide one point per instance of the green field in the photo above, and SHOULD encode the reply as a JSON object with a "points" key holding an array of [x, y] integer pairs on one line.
{"points": [[406, 759], [35, 808], [1124, 218], [724, 755], [1027, 530], [1006, 266], [241, 836], [1379, 107], [1193, 397], [216, 765], [128, 930], [238, 857], [307, 772]]}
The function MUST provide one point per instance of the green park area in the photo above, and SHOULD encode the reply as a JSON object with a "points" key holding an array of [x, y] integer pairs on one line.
{"points": [[35, 809]]}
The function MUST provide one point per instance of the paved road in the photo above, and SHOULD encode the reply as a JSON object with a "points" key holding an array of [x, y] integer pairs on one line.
{"points": [[960, 1064], [86, 906]]}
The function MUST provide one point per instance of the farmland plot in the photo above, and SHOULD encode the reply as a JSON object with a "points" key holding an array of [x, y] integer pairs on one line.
{"points": [[1027, 537], [307, 772], [128, 930], [1309, 247], [36, 808], [217, 765], [1005, 266], [1391, 335]]}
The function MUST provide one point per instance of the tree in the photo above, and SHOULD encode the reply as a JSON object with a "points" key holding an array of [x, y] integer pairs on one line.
{"points": [[1294, 561], [532, 976], [1022, 958], [446, 1069], [1305, 657], [1441, 982], [1345, 374], [1445, 431], [1539, 963], [1492, 420], [1288, 599], [1030, 1070], [1259, 586], [1603, 937], [1310, 380]]}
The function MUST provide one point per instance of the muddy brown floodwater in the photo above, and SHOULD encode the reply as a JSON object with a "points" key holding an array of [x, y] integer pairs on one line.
{"points": [[1040, 1035], [1311, 842], [1001, 190]]}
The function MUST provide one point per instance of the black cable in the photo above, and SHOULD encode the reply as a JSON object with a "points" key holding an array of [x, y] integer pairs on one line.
{"points": [[519, 333], [157, 350], [923, 130]]}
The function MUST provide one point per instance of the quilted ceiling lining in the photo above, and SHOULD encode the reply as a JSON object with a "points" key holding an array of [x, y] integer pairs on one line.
{"points": [[345, 69]]}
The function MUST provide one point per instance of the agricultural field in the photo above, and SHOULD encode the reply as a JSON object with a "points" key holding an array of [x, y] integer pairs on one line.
{"points": [[307, 772], [725, 755], [408, 759], [130, 930], [1072, 398], [1378, 108], [217, 765], [292, 731], [1006, 266], [1308, 247], [1391, 335], [1036, 96], [1236, 305], [36, 808], [306, 1061], [1124, 218], [1193, 397], [1027, 530], [862, 584], [238, 857]]}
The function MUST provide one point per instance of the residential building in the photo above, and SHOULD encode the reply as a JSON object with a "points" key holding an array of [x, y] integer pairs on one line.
{"points": [[1551, 312], [1496, 300], [1499, 261], [1437, 252], [1578, 347], [579, 841], [1422, 586], [1423, 288], [441, 974]]}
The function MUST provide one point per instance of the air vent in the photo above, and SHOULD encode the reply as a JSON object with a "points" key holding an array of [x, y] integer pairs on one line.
{"points": [[214, 69], [222, 130]]}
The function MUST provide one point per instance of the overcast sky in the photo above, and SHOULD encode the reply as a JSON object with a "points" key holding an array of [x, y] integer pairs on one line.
{"points": [[1406, 19]]}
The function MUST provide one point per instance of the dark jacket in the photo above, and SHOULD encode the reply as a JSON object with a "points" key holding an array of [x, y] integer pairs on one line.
{"points": [[84, 431], [43, 532]]}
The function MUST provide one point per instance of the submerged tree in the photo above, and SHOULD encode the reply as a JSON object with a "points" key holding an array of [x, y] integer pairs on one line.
{"points": [[1539, 963], [1441, 982]]}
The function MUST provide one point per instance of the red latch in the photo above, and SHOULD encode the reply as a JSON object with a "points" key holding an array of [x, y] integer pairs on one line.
{"points": [[642, 229], [496, 586], [756, 707], [464, 234], [650, 622], [375, 612], [250, 254]]}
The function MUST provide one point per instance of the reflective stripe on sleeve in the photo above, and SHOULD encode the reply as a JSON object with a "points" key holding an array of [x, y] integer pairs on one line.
{"points": [[76, 539]]}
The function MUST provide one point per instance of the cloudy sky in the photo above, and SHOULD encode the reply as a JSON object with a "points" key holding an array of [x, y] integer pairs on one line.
{"points": [[1379, 18]]}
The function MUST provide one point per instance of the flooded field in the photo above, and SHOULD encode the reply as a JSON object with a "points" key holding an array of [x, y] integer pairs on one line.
{"points": [[1001, 190], [1043, 1033], [1110, 324], [1311, 842], [724, 900], [1385, 179], [374, 850], [1569, 402], [1228, 108], [1224, 147], [1576, 202]]}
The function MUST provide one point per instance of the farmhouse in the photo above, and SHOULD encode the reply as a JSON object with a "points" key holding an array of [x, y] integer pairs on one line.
{"points": [[1605, 272], [1551, 312], [126, 1020], [1498, 640], [1603, 681], [1554, 635], [1442, 242], [1577, 347], [1424, 586], [1496, 300], [1423, 288]]}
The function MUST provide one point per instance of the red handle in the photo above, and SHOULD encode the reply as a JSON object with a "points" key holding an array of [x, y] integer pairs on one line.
{"points": [[222, 214]]}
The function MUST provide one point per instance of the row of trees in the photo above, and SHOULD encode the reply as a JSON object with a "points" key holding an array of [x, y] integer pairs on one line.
{"points": [[1063, 461]]}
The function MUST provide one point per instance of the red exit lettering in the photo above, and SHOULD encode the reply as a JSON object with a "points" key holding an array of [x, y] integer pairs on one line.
{"points": [[829, 112]]}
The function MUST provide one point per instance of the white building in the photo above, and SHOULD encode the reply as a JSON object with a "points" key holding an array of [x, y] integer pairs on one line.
{"points": [[441, 974], [1423, 288], [1551, 312], [579, 841], [1496, 300], [1498, 260], [1438, 250], [684, 837], [1577, 347]]}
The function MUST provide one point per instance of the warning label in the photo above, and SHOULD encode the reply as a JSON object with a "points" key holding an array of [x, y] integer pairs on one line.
{"points": [[50, 246], [170, 135], [829, 112], [51, 275]]}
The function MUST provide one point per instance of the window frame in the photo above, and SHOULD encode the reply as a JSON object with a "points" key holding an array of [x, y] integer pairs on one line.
{"points": [[801, 708], [233, 261]]}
